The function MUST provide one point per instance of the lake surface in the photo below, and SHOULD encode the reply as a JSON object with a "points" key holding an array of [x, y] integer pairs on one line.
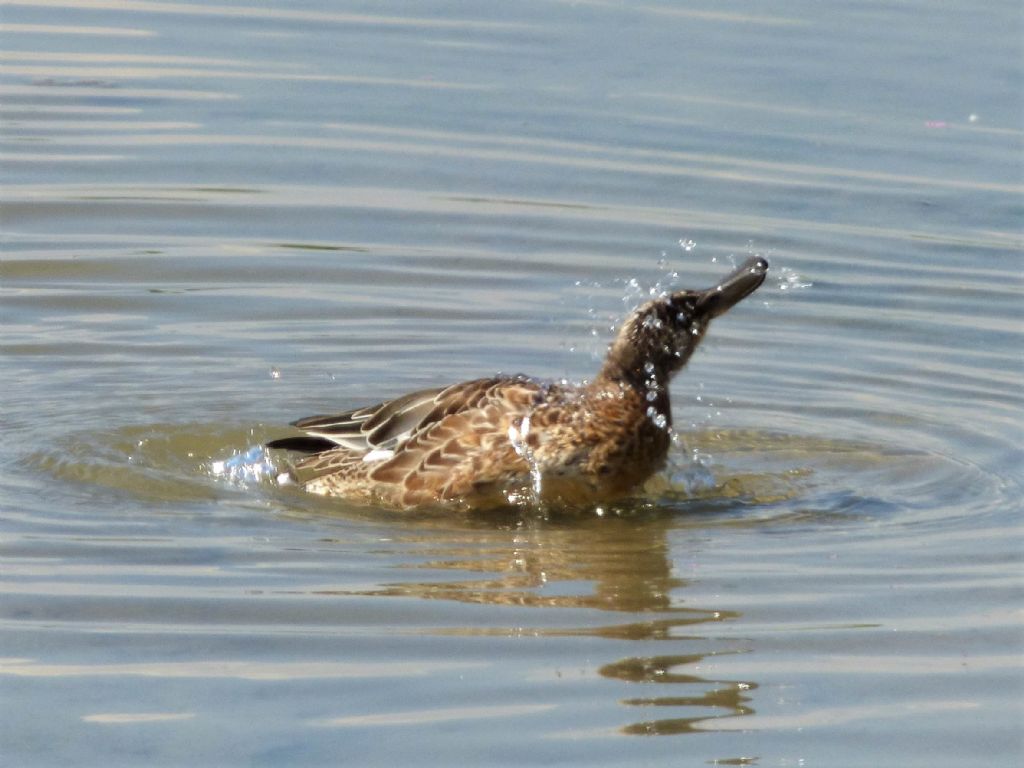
{"points": [[220, 218]]}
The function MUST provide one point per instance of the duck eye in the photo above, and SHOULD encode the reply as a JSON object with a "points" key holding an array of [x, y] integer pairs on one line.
{"points": [[681, 314]]}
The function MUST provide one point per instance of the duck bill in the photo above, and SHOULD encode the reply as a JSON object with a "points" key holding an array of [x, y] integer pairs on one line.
{"points": [[732, 289]]}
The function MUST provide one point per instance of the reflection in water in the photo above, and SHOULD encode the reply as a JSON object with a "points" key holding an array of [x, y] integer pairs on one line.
{"points": [[609, 576], [619, 564], [589, 568], [725, 697]]}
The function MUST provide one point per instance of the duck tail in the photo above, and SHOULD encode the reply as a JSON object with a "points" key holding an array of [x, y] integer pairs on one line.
{"points": [[304, 444]]}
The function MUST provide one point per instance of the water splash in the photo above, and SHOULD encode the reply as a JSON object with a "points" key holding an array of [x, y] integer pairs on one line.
{"points": [[658, 419], [689, 469], [517, 435], [654, 390], [252, 465], [787, 279], [634, 291], [631, 293]]}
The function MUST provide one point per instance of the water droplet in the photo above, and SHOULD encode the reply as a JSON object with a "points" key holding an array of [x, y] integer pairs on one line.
{"points": [[652, 322], [517, 436], [789, 279]]}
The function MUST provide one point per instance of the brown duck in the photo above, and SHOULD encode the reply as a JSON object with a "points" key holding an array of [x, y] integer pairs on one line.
{"points": [[509, 440]]}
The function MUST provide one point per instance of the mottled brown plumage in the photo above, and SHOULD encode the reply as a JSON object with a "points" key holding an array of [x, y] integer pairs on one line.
{"points": [[516, 440]]}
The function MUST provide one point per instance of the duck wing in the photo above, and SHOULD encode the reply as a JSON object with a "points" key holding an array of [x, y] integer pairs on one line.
{"points": [[386, 426]]}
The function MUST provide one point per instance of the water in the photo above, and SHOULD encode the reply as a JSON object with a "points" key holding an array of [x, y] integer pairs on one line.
{"points": [[219, 218]]}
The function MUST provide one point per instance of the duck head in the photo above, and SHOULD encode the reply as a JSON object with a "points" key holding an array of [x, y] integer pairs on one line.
{"points": [[659, 337]]}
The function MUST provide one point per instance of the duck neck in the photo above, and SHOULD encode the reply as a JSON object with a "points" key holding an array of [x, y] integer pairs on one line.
{"points": [[647, 382]]}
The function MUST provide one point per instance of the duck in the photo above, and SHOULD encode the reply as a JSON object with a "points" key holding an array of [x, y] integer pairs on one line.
{"points": [[515, 440]]}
